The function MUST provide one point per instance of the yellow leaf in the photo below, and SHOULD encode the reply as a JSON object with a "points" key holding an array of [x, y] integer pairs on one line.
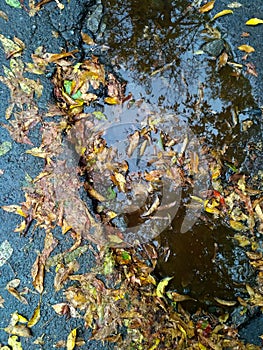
{"points": [[161, 286], [254, 21], [21, 227], [71, 341], [37, 152], [207, 7], [16, 345], [202, 347], [14, 209], [246, 48], [222, 13], [225, 302], [35, 318], [237, 225], [112, 100]]}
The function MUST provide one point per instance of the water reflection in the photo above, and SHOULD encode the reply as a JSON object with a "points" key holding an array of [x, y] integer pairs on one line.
{"points": [[153, 45]]}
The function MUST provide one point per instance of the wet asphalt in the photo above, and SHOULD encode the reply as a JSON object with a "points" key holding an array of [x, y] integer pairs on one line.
{"points": [[16, 164]]}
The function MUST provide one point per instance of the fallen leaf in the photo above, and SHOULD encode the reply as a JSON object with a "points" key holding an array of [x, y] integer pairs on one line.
{"points": [[37, 272], [237, 225], [71, 341], [14, 343], [246, 48], [2, 300], [254, 21], [20, 330], [112, 100], [160, 289], [15, 4], [3, 15], [5, 147], [13, 208], [222, 13], [5, 252], [207, 7], [11, 287], [251, 69], [35, 317], [234, 5], [225, 302]]}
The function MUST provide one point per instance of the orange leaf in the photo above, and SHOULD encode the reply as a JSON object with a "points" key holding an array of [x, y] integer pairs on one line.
{"points": [[207, 7]]}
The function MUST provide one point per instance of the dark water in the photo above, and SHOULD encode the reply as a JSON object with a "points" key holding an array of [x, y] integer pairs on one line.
{"points": [[154, 46]]}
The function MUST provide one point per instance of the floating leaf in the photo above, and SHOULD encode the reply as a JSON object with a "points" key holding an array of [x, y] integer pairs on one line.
{"points": [[5, 252], [246, 48], [160, 289], [13, 3], [5, 147], [254, 21], [71, 341], [207, 7], [225, 302], [222, 13]]}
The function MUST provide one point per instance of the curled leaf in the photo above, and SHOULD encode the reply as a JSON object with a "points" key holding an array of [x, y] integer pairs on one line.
{"points": [[222, 13], [225, 302], [161, 286]]}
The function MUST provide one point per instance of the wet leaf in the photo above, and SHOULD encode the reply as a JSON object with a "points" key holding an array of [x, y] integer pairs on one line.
{"points": [[13, 341], [112, 100], [11, 48], [11, 287], [234, 5], [207, 7], [3, 15], [35, 317], [160, 289], [254, 21], [17, 209], [176, 297], [87, 39], [37, 272], [20, 330], [237, 225], [246, 48], [251, 69], [5, 147], [225, 302], [15, 4], [2, 300], [222, 61], [133, 143], [222, 13], [6, 251], [71, 341]]}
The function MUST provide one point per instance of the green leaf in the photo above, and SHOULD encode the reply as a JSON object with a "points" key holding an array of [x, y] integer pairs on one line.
{"points": [[67, 86], [13, 3], [5, 147], [99, 115]]}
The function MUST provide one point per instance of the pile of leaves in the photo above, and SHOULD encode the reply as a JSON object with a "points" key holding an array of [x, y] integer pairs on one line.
{"points": [[119, 299]]}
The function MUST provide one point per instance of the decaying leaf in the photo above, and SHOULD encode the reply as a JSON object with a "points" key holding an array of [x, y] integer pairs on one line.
{"points": [[2, 300], [11, 287], [37, 272], [6, 251], [17, 326], [254, 21], [71, 341], [3, 15]]}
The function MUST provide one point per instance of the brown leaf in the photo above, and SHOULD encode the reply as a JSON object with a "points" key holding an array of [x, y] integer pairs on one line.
{"points": [[207, 7], [37, 272], [251, 69]]}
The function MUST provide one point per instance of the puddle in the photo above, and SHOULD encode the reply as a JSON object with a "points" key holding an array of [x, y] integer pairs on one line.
{"points": [[154, 45]]}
